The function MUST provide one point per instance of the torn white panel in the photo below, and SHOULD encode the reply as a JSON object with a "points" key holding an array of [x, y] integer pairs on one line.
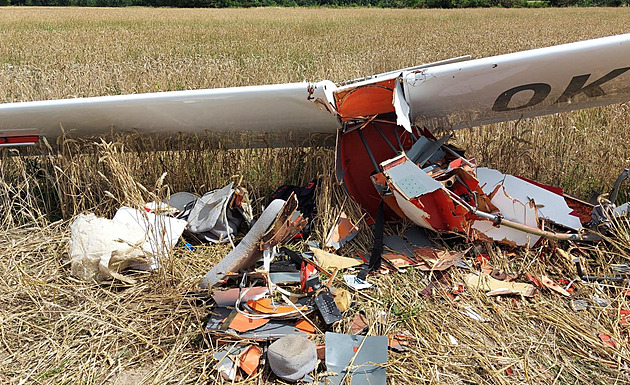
{"points": [[401, 107], [229, 297], [408, 181], [549, 205], [413, 212], [513, 210]]}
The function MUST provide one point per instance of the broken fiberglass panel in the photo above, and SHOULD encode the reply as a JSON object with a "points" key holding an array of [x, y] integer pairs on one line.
{"points": [[549, 206], [401, 107], [512, 210]]}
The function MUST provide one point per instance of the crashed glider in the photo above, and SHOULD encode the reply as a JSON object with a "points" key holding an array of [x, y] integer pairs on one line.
{"points": [[384, 127]]}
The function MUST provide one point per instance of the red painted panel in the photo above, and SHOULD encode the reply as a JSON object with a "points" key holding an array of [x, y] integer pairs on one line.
{"points": [[367, 100], [358, 167]]}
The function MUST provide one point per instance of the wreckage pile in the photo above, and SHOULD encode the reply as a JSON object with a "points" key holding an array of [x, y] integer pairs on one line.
{"points": [[286, 307]]}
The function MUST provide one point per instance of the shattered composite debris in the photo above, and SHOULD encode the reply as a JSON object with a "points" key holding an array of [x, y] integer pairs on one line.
{"points": [[267, 306], [229, 297], [249, 360], [359, 324], [230, 359], [398, 342], [448, 196], [305, 326], [472, 314], [554, 286], [417, 236], [218, 325], [399, 261], [436, 259], [287, 224], [242, 323], [250, 319], [579, 304], [399, 245], [343, 231], [514, 210], [548, 205], [278, 223], [226, 365]]}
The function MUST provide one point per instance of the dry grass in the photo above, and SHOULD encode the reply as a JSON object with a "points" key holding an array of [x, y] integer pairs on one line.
{"points": [[54, 329], [61, 52]]}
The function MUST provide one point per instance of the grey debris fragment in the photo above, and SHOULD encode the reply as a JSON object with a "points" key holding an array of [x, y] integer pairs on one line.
{"points": [[292, 357], [247, 251], [579, 304], [399, 245], [367, 358], [417, 236]]}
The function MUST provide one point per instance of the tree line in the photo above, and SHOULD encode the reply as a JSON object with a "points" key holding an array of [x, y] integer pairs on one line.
{"points": [[321, 3]]}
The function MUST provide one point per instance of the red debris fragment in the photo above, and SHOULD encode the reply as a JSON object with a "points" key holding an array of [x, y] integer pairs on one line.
{"points": [[534, 280], [554, 286], [608, 340]]}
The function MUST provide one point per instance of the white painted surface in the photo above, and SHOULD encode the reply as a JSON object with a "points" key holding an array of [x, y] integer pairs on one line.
{"points": [[463, 94], [410, 180], [413, 212], [272, 108], [513, 210], [401, 107], [549, 206]]}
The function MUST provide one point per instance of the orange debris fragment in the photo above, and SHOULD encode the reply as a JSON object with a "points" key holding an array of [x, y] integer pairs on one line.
{"points": [[249, 360], [305, 326], [265, 306], [241, 324], [608, 340]]}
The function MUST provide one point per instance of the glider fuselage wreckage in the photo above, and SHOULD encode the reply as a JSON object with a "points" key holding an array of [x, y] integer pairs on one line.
{"points": [[384, 125]]}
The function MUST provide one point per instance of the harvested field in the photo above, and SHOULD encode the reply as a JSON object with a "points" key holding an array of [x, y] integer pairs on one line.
{"points": [[56, 329]]}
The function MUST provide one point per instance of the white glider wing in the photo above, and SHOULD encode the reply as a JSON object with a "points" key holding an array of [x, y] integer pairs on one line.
{"points": [[275, 109], [524, 84]]}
